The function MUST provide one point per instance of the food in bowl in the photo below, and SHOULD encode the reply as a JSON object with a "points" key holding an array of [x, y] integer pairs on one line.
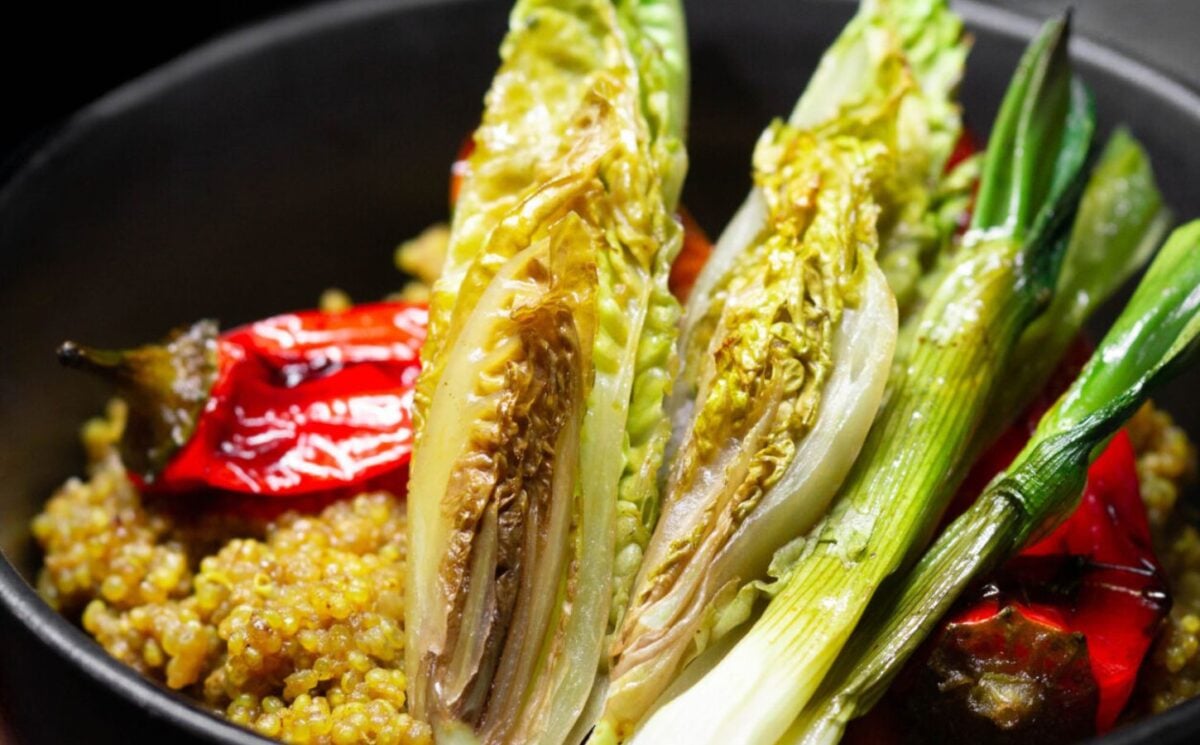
{"points": [[618, 504], [291, 626]]}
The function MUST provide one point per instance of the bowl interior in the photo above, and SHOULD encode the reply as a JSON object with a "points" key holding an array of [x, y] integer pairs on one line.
{"points": [[247, 177]]}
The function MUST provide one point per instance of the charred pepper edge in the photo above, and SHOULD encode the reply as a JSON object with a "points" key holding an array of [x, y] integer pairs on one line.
{"points": [[166, 386], [188, 432]]}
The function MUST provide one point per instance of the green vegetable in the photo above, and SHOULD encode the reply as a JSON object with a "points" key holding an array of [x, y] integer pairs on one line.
{"points": [[928, 41], [657, 28], [1157, 333], [1121, 221], [891, 75], [788, 339], [543, 373], [913, 457], [805, 328]]}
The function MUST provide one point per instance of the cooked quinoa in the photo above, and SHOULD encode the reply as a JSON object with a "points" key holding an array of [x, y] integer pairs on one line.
{"points": [[292, 626], [1167, 465]]}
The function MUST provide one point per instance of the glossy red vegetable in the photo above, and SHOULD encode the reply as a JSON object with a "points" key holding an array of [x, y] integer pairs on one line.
{"points": [[294, 404], [305, 402], [1063, 625], [966, 146], [1095, 575], [691, 259]]}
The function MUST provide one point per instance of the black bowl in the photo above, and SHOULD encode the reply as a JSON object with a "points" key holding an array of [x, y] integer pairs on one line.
{"points": [[247, 176]]}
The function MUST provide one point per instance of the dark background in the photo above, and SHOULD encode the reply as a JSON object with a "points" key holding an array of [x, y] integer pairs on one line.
{"points": [[57, 57]]}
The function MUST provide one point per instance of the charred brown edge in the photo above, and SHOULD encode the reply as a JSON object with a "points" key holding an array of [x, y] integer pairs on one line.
{"points": [[166, 386]]}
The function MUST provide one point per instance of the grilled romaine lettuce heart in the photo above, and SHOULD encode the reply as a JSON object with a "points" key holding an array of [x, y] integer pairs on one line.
{"points": [[787, 341], [540, 407]]}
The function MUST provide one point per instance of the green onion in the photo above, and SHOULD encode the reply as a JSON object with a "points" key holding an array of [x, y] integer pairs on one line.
{"points": [[1157, 332], [1121, 221]]}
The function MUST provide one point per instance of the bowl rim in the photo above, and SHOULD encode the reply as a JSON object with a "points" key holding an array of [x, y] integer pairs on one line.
{"points": [[71, 644]]}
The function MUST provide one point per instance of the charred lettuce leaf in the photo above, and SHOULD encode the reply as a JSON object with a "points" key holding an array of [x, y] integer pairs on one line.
{"points": [[804, 322], [928, 40], [787, 340], [549, 355]]}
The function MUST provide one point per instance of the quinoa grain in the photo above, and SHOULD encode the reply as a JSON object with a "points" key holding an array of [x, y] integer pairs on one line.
{"points": [[292, 627]]}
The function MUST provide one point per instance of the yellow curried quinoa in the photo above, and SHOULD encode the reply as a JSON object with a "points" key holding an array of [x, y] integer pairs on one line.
{"points": [[290, 626]]}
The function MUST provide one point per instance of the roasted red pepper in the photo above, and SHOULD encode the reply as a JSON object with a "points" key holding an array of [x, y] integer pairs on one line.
{"points": [[298, 403], [966, 146], [691, 259], [1096, 576], [1005, 678], [1049, 647]]}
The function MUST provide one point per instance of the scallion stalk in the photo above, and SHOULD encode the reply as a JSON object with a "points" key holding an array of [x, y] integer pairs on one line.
{"points": [[1157, 333], [1121, 221]]}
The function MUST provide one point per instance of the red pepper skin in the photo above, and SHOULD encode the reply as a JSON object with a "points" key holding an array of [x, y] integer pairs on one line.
{"points": [[1007, 678], [966, 146], [305, 402], [691, 259], [1119, 595], [305, 343], [1095, 575]]}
